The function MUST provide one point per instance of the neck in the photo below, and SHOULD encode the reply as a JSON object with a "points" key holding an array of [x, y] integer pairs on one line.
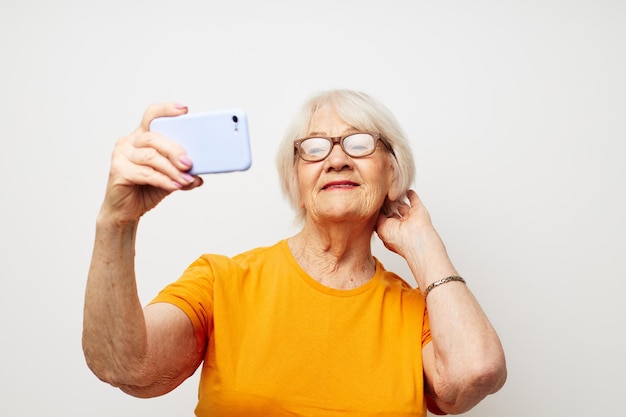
{"points": [[333, 257]]}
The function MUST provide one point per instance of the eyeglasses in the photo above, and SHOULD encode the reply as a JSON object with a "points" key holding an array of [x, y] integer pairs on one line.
{"points": [[356, 145]]}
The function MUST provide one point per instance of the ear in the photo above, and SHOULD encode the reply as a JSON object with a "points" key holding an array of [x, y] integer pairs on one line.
{"points": [[394, 192], [394, 183]]}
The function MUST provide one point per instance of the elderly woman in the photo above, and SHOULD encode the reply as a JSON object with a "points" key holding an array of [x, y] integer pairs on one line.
{"points": [[313, 325]]}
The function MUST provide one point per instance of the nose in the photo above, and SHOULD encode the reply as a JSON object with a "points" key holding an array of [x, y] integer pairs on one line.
{"points": [[338, 159]]}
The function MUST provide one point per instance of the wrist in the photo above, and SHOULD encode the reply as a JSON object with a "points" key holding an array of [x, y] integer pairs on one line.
{"points": [[430, 268], [111, 219], [110, 229], [442, 281]]}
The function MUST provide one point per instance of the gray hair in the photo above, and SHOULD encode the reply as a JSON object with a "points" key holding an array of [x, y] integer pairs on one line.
{"points": [[362, 112]]}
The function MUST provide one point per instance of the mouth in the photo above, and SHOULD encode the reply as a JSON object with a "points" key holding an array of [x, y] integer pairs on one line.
{"points": [[334, 185]]}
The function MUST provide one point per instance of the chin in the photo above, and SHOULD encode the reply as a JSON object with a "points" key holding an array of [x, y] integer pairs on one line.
{"points": [[342, 215]]}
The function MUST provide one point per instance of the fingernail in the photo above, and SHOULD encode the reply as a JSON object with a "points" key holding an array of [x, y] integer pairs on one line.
{"points": [[185, 161], [181, 106], [187, 178]]}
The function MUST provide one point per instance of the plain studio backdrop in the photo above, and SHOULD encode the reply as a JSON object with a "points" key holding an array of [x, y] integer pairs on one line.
{"points": [[516, 115]]}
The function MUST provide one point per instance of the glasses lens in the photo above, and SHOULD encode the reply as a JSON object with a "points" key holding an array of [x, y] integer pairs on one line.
{"points": [[315, 148], [359, 144]]}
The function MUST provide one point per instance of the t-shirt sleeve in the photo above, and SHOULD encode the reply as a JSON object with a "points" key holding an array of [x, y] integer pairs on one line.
{"points": [[426, 336], [193, 293]]}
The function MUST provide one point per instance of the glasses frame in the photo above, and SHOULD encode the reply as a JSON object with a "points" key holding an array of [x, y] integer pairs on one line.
{"points": [[339, 140]]}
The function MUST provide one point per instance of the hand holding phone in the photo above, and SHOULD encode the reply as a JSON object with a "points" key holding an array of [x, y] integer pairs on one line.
{"points": [[216, 141]]}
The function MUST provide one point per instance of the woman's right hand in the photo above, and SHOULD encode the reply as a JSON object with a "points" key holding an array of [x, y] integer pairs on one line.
{"points": [[145, 168]]}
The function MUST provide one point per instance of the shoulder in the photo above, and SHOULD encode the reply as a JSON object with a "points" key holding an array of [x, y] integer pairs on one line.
{"points": [[263, 256], [392, 279], [262, 252], [220, 269], [218, 264]]}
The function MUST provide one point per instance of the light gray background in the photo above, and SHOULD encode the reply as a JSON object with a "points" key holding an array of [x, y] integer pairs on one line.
{"points": [[515, 112]]}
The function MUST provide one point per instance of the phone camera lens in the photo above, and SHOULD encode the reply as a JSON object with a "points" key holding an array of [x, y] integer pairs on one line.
{"points": [[235, 119]]}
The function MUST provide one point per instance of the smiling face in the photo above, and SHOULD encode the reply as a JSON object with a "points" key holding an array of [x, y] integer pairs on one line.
{"points": [[340, 187]]}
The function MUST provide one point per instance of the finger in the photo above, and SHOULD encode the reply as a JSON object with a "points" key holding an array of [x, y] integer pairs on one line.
{"points": [[412, 196], [415, 200], [166, 147], [418, 206], [145, 175], [126, 171], [197, 182], [380, 220], [403, 210], [152, 158], [161, 110]]}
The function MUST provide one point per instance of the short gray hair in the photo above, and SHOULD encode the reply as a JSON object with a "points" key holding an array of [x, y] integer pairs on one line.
{"points": [[362, 112]]}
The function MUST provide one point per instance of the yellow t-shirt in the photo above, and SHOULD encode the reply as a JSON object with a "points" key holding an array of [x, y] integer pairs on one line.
{"points": [[278, 343]]}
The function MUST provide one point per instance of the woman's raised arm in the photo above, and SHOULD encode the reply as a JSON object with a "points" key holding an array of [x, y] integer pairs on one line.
{"points": [[145, 352]]}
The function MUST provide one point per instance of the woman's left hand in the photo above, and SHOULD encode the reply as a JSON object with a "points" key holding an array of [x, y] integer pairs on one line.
{"points": [[411, 235]]}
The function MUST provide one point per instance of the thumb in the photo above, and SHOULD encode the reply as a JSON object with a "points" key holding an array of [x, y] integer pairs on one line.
{"points": [[157, 110]]}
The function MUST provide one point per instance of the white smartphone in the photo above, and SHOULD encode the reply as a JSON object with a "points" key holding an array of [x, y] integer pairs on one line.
{"points": [[216, 141]]}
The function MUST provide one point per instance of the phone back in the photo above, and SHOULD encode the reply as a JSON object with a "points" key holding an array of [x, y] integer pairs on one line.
{"points": [[216, 141]]}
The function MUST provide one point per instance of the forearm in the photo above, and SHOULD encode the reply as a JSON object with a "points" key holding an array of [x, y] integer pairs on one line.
{"points": [[114, 330], [468, 361]]}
